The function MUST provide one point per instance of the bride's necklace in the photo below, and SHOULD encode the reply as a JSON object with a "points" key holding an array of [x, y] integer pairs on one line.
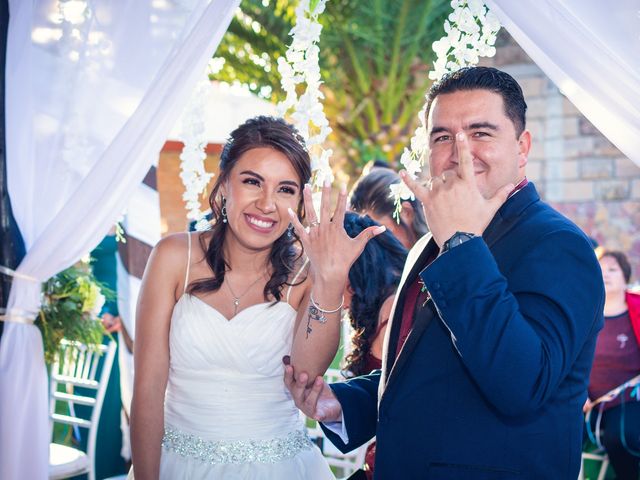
{"points": [[236, 298]]}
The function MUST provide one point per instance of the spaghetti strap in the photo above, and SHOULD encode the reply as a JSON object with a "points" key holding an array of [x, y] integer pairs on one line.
{"points": [[296, 277], [186, 275]]}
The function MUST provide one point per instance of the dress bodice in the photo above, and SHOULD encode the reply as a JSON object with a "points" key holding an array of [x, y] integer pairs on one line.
{"points": [[225, 375], [227, 412]]}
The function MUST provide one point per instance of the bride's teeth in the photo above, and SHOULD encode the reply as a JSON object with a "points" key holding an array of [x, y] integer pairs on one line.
{"points": [[260, 223]]}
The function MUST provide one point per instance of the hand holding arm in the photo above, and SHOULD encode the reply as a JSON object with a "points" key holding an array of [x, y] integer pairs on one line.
{"points": [[318, 401]]}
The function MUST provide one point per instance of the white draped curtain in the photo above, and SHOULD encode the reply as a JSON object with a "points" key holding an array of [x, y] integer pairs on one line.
{"points": [[92, 89], [591, 50], [94, 86]]}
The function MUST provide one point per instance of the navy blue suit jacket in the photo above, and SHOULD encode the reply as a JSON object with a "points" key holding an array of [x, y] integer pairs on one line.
{"points": [[491, 381]]}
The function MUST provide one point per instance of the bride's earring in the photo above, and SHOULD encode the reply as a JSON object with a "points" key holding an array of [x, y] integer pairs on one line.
{"points": [[223, 210], [290, 231]]}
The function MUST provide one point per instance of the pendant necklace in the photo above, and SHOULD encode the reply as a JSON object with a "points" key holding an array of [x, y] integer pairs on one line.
{"points": [[236, 298]]}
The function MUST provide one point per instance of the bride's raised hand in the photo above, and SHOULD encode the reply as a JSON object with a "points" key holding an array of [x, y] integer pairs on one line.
{"points": [[329, 248]]}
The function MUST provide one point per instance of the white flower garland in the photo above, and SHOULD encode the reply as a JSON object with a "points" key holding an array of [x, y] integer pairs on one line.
{"points": [[300, 65], [192, 172], [471, 33]]}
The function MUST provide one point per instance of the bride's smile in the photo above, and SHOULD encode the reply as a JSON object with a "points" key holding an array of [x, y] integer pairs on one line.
{"points": [[262, 185]]}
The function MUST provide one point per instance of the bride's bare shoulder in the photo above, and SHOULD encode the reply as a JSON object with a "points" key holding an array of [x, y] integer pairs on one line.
{"points": [[172, 249], [175, 247]]}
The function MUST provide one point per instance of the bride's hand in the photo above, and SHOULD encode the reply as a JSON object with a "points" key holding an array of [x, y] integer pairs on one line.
{"points": [[326, 243]]}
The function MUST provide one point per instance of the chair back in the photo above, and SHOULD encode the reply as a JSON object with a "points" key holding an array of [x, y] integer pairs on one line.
{"points": [[77, 366], [599, 456]]}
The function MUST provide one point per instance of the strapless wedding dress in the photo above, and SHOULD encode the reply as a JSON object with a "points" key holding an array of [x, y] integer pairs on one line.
{"points": [[228, 414]]}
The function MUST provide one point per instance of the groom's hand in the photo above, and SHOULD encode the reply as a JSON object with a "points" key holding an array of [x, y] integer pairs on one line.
{"points": [[318, 401]]}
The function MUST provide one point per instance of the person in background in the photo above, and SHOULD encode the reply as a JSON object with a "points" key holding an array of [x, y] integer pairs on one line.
{"points": [[615, 419], [108, 461], [370, 196], [373, 164], [373, 280]]}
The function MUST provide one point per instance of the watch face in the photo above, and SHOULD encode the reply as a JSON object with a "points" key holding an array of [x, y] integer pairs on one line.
{"points": [[459, 238]]}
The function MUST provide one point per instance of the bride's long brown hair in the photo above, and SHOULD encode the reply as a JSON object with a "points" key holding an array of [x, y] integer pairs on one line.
{"points": [[257, 132]]}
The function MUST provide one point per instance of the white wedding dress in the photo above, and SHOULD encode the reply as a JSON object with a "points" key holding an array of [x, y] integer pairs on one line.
{"points": [[228, 414]]}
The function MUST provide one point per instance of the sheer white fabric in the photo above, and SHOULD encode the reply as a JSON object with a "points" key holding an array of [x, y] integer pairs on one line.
{"points": [[92, 89], [227, 409], [591, 51]]}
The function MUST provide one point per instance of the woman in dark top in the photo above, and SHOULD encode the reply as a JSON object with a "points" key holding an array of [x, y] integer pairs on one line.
{"points": [[617, 360], [370, 196], [373, 280]]}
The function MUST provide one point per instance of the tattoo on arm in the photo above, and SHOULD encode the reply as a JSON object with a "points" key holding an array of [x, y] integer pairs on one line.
{"points": [[314, 314], [309, 329]]}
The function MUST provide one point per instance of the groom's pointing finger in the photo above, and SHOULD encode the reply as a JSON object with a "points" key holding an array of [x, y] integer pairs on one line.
{"points": [[465, 159]]}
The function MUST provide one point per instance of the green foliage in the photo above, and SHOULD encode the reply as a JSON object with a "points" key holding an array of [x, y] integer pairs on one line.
{"points": [[72, 301], [375, 59], [256, 37]]}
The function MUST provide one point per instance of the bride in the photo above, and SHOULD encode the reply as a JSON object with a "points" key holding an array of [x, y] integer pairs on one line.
{"points": [[218, 311]]}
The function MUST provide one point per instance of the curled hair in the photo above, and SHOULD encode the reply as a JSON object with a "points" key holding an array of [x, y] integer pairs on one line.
{"points": [[258, 132], [371, 194], [485, 78], [373, 277]]}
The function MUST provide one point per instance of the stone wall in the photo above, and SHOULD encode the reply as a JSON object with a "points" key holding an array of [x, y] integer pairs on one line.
{"points": [[574, 167]]}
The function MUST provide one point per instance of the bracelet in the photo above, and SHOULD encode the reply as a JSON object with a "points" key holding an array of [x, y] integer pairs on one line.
{"points": [[317, 313], [315, 304]]}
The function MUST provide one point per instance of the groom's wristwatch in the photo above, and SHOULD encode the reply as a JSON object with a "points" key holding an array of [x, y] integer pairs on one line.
{"points": [[456, 239]]}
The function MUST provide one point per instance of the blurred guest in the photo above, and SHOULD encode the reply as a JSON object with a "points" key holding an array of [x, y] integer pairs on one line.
{"points": [[379, 164], [615, 419], [373, 280], [370, 196], [108, 459]]}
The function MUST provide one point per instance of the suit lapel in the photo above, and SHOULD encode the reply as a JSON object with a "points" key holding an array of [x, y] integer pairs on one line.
{"points": [[504, 220], [396, 321], [422, 320]]}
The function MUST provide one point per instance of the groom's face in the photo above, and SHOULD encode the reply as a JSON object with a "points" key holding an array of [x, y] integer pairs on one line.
{"points": [[499, 153]]}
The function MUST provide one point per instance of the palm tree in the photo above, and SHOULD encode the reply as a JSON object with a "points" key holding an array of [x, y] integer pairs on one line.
{"points": [[375, 58]]}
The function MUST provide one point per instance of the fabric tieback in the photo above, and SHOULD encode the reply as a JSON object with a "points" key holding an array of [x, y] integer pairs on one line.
{"points": [[16, 315]]}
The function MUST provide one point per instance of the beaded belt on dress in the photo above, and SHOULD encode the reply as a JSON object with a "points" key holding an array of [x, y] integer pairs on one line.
{"points": [[240, 451]]}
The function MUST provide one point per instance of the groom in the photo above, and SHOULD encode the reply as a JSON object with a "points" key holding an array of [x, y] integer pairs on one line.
{"points": [[492, 334]]}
